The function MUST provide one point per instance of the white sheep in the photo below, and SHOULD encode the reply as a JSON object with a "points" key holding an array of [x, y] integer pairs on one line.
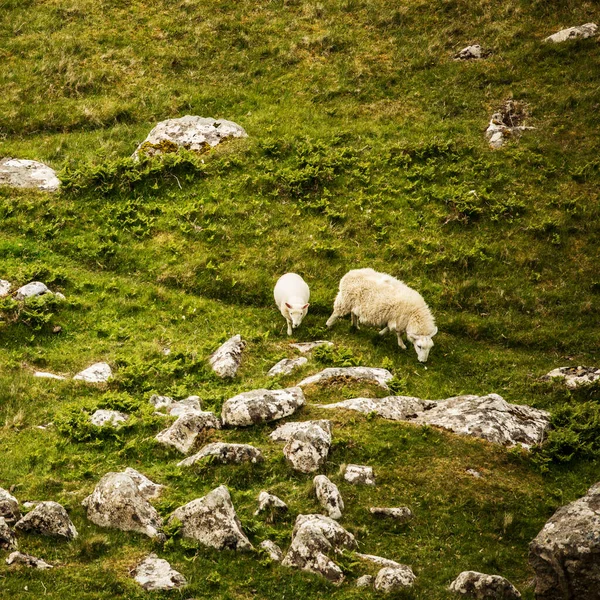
{"points": [[291, 296], [379, 299]]}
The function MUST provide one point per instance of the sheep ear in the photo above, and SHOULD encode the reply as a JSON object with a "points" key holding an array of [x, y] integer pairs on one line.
{"points": [[305, 306], [436, 330], [288, 305]]}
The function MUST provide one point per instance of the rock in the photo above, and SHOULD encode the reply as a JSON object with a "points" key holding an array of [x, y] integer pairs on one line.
{"points": [[183, 433], [155, 573], [286, 366], [26, 560], [379, 377], [392, 579], [359, 474], [574, 376], [197, 134], [8, 540], [506, 123], [365, 581], [313, 538], [565, 555], [9, 507], [147, 488], [225, 453], [306, 347], [260, 406], [48, 518], [582, 32], [20, 173], [396, 408], [402, 513], [270, 502], [35, 288], [307, 446], [189, 404], [160, 401], [484, 587], [329, 496], [225, 360], [378, 560], [118, 502], [469, 53], [273, 550], [97, 373], [212, 521], [284, 432], [474, 473], [5, 287], [46, 375], [114, 418]]}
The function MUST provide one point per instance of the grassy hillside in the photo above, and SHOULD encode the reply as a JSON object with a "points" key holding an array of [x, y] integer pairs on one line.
{"points": [[365, 148]]}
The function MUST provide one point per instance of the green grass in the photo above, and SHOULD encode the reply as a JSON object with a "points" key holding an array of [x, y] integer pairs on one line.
{"points": [[365, 146]]}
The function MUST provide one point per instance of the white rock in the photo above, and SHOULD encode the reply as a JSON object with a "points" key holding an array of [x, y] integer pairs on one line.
{"points": [[48, 518], [96, 373], [9, 507], [359, 474], [307, 446], [273, 550], [474, 473], [284, 432], [20, 173], [114, 418], [377, 376], [306, 347], [160, 401], [226, 359], [225, 453], [392, 579], [147, 488], [190, 404], [378, 560], [26, 560], [286, 366], [329, 496], [46, 375], [270, 502], [155, 573], [480, 585], [8, 540], [469, 53], [5, 287], [183, 433], [574, 376], [401, 513], [59, 296], [365, 581], [35, 288], [582, 32], [396, 408]]}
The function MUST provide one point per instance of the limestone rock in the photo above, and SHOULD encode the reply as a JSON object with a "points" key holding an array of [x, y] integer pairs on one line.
{"points": [[113, 418], [45, 375], [469, 53], [225, 360], [187, 405], [118, 502], [307, 446], [365, 581], [270, 502], [26, 560], [329, 496], [9, 507], [378, 560], [35, 288], [306, 347], [260, 406], [5, 287], [392, 579], [8, 540], [582, 32], [396, 408], [155, 573], [225, 454], [183, 433], [197, 134], [484, 587], [402, 513], [146, 487], [212, 521], [284, 432], [20, 173], [48, 518], [359, 474], [315, 537], [574, 376], [273, 550], [160, 401], [96, 373], [377, 376], [565, 555], [286, 366]]}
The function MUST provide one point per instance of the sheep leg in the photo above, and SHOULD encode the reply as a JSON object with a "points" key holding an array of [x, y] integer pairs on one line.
{"points": [[384, 331], [400, 341], [332, 319], [289, 327], [355, 320]]}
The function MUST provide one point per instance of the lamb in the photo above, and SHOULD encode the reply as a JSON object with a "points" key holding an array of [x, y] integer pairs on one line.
{"points": [[378, 299], [291, 296]]}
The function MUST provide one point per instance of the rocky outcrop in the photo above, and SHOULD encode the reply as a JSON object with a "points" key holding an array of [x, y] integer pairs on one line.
{"points": [[273, 550], [48, 518], [26, 560], [8, 540], [96, 373], [307, 444], [580, 32], [359, 474], [287, 366], [484, 587], [574, 376], [225, 453], [114, 418], [314, 538], [396, 408], [403, 514], [565, 555], [20, 173], [212, 521], [225, 360], [155, 573], [261, 406], [473, 52], [373, 375], [306, 347], [270, 502], [182, 434], [329, 496], [9, 507]]}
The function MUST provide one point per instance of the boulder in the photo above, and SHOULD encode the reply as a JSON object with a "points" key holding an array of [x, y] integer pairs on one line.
{"points": [[402, 513], [148, 489], [223, 453], [359, 474], [329, 496], [314, 538], [20, 173], [8, 540], [473, 52], [30, 290], [271, 503], [9, 507], [197, 134], [212, 521], [260, 406], [393, 579], [286, 366], [306, 347], [565, 554], [379, 377], [396, 408], [273, 550], [365, 581], [114, 418], [5, 287], [155, 573], [225, 360], [284, 432], [26, 560], [484, 587], [580, 32], [118, 502], [190, 404], [183, 433], [96, 373], [574, 376], [48, 518], [45, 375], [307, 446]]}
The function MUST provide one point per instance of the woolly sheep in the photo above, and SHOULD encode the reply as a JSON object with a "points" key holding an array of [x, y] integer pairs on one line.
{"points": [[378, 299], [291, 296]]}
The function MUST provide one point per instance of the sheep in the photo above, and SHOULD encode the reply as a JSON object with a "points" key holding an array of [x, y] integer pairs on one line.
{"points": [[291, 296], [378, 299]]}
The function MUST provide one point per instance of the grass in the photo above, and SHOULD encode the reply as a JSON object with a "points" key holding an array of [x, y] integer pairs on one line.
{"points": [[365, 148]]}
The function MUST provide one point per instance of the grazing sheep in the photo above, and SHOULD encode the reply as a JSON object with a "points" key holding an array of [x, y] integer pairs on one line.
{"points": [[291, 296], [379, 299]]}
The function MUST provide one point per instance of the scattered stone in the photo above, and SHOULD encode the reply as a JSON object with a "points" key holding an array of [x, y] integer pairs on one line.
{"points": [[160, 401], [212, 521], [46, 375], [260, 406], [574, 376], [147, 488], [273, 550], [378, 560], [392, 579], [8, 540], [118, 502], [9, 507], [377, 376], [506, 123], [566, 553], [26, 560], [359, 474], [225, 360], [97, 373], [307, 446], [402, 513], [474, 473], [60, 297], [225, 453], [5, 287], [114, 418], [20, 173], [329, 496], [155, 573], [365, 581], [48, 518], [484, 587], [287, 365], [396, 408], [313, 538], [270, 502], [582, 32], [306, 347], [35, 288], [469, 53], [183, 433], [284, 432], [189, 404]]}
